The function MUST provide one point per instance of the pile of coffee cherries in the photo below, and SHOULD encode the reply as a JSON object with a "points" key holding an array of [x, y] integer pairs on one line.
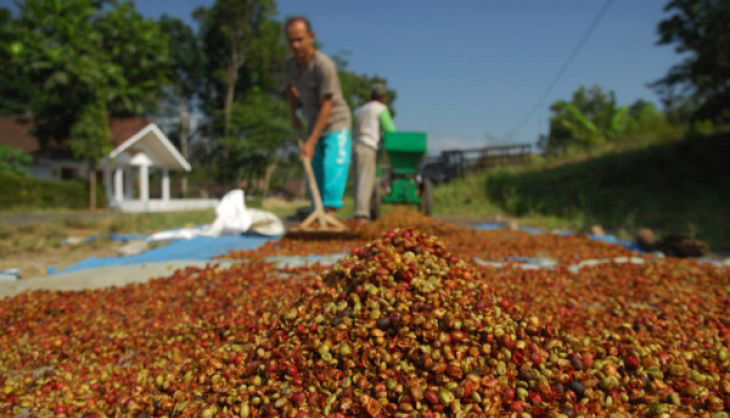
{"points": [[405, 325]]}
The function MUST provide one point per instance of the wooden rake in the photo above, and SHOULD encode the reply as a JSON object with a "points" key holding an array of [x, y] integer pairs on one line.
{"points": [[318, 222]]}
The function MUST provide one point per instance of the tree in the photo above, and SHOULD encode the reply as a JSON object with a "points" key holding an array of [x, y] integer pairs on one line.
{"points": [[259, 126], [570, 127], [230, 30], [13, 96], [186, 72], [245, 50], [186, 60], [90, 139], [701, 82], [13, 160], [592, 119], [139, 52], [81, 62], [356, 87], [583, 122]]}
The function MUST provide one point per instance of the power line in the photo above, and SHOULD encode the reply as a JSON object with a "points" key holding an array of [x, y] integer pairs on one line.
{"points": [[563, 69]]}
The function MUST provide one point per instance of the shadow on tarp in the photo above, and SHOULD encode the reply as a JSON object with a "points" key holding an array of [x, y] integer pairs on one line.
{"points": [[198, 248], [127, 237], [610, 239]]}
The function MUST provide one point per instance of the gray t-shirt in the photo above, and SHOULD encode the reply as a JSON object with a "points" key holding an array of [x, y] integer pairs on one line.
{"points": [[317, 80]]}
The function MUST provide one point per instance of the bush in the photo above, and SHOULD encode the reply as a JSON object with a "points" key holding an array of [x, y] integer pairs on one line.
{"points": [[18, 191], [674, 187], [13, 160]]}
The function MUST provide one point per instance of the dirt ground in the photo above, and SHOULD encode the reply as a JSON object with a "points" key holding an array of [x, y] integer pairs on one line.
{"points": [[35, 263]]}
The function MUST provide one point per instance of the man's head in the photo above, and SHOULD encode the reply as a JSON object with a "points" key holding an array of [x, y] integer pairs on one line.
{"points": [[379, 92], [300, 37]]}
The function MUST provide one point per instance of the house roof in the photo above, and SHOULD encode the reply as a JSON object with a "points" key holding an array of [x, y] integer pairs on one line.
{"points": [[16, 134], [131, 135], [124, 128]]}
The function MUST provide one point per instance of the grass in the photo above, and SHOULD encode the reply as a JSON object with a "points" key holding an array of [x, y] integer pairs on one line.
{"points": [[35, 232], [672, 187], [464, 197]]}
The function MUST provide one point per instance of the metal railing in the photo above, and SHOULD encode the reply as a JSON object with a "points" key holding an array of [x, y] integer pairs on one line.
{"points": [[456, 163]]}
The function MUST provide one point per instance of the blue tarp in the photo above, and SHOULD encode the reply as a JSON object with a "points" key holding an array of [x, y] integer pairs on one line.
{"points": [[205, 248], [489, 227], [496, 227], [198, 248], [610, 239]]}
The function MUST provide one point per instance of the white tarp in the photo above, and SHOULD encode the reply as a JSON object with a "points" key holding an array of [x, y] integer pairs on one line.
{"points": [[232, 218]]}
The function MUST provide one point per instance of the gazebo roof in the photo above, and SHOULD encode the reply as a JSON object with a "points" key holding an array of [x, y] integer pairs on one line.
{"points": [[153, 143]]}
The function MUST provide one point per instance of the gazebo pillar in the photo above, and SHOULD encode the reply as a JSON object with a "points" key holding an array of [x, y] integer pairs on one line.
{"points": [[128, 183], [144, 183], [108, 184], [165, 184], [118, 184]]}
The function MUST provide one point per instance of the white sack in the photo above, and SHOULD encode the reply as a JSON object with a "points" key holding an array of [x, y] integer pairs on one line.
{"points": [[232, 218]]}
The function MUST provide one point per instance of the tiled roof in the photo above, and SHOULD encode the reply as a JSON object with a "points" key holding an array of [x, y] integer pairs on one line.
{"points": [[124, 128], [16, 134]]}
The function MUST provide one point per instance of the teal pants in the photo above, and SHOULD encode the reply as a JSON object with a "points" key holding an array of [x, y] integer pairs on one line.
{"points": [[331, 165]]}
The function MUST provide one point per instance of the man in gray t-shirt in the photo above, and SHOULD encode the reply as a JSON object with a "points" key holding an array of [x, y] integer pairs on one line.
{"points": [[312, 80]]}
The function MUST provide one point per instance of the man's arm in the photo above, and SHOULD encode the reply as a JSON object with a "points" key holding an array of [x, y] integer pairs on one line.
{"points": [[322, 118], [327, 85], [386, 122], [293, 119]]}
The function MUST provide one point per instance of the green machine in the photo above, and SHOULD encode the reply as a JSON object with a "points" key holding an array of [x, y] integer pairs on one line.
{"points": [[399, 181]]}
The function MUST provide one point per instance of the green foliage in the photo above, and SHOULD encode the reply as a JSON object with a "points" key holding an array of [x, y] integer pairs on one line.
{"points": [[244, 48], [90, 135], [572, 126], [700, 128], [464, 196], [356, 87], [665, 186], [17, 191], [68, 55], [619, 122], [266, 55], [13, 95], [699, 85], [591, 121], [138, 52], [260, 125], [13, 160], [187, 60], [241, 40]]}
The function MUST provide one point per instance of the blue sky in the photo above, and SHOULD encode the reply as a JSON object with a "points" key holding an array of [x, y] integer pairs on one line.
{"points": [[468, 72]]}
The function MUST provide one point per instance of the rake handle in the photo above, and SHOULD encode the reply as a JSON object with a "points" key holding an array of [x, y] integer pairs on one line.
{"points": [[313, 188], [307, 163]]}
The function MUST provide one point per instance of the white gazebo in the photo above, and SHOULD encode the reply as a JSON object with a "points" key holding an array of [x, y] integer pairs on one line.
{"points": [[132, 161]]}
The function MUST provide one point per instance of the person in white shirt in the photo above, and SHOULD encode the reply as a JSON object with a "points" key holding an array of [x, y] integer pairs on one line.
{"points": [[370, 119]]}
